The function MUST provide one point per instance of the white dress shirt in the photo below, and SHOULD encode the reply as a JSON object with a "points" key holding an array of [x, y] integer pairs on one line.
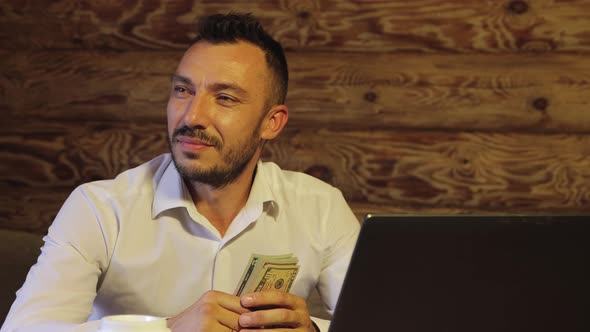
{"points": [[137, 245]]}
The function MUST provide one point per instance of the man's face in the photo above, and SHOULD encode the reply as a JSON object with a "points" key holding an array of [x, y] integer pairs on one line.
{"points": [[216, 107]]}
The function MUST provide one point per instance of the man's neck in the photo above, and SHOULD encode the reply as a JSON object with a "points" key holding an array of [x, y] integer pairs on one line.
{"points": [[221, 205]]}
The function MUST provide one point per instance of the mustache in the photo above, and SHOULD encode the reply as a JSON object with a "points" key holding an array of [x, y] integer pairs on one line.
{"points": [[197, 133]]}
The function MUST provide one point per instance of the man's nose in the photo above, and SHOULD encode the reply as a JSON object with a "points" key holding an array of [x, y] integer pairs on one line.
{"points": [[196, 113]]}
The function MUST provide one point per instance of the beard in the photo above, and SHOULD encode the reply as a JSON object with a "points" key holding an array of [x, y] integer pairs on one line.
{"points": [[234, 160]]}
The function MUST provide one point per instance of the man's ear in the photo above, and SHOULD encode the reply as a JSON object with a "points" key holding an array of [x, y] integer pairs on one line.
{"points": [[274, 122]]}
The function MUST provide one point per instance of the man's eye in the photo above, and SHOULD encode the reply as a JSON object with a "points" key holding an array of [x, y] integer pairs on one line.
{"points": [[181, 91], [226, 99]]}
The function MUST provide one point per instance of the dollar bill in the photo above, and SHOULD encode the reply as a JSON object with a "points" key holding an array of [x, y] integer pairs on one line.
{"points": [[277, 277], [268, 272]]}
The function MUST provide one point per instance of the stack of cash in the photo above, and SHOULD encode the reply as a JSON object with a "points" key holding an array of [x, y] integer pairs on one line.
{"points": [[268, 273]]}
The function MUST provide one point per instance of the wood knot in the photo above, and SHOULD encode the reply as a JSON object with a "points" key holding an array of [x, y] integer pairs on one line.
{"points": [[303, 15], [541, 104], [371, 96], [518, 7], [539, 46], [321, 172]]}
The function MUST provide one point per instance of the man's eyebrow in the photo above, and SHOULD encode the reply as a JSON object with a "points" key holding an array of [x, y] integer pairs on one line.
{"points": [[186, 80], [220, 86]]}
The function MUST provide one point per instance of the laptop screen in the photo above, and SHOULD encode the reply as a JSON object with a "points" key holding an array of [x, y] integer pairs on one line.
{"points": [[468, 273]]}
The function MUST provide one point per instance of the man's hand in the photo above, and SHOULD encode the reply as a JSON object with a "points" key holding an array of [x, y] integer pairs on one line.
{"points": [[276, 311], [213, 312]]}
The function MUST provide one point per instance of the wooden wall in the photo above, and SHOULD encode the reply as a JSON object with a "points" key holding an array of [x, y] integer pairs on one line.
{"points": [[431, 106]]}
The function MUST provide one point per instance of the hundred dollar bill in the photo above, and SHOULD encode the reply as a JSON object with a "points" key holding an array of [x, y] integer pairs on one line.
{"points": [[255, 270]]}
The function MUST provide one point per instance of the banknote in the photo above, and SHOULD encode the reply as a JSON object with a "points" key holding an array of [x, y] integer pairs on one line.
{"points": [[276, 277], [268, 272]]}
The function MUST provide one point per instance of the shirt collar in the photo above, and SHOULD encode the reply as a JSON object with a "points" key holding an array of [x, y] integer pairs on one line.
{"points": [[171, 192], [261, 192]]}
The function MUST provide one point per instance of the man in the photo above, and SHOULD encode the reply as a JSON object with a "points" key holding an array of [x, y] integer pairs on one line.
{"points": [[171, 237]]}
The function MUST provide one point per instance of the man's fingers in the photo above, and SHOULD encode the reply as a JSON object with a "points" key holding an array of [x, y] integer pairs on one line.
{"points": [[214, 311], [230, 320], [230, 308], [270, 299], [226, 301], [271, 319], [274, 310]]}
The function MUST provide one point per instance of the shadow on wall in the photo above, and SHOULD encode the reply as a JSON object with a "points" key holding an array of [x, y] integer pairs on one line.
{"points": [[18, 252]]}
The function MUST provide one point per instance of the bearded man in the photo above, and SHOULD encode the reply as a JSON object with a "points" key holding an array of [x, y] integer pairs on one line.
{"points": [[171, 237]]}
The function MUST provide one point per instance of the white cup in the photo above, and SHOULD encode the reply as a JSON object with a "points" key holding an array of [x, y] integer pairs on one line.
{"points": [[133, 323]]}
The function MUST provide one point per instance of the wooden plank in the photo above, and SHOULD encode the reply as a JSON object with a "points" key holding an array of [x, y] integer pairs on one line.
{"points": [[421, 171], [31, 210], [46, 155], [485, 171], [336, 25], [526, 93]]}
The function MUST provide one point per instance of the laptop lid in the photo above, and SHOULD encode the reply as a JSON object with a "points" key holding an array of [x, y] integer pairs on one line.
{"points": [[468, 273]]}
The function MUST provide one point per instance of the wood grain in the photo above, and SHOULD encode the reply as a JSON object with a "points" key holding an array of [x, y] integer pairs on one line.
{"points": [[394, 171], [487, 171], [526, 93], [430, 106], [335, 25]]}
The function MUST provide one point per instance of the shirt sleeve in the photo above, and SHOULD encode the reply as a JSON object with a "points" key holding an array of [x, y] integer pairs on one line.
{"points": [[60, 288], [341, 235]]}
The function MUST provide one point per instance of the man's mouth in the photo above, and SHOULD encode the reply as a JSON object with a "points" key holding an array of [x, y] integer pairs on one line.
{"points": [[189, 137], [192, 140], [192, 143]]}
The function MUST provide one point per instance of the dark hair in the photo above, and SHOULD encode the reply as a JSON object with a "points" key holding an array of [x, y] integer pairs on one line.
{"points": [[233, 27]]}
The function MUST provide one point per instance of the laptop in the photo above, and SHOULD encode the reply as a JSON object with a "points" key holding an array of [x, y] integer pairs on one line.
{"points": [[467, 274]]}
